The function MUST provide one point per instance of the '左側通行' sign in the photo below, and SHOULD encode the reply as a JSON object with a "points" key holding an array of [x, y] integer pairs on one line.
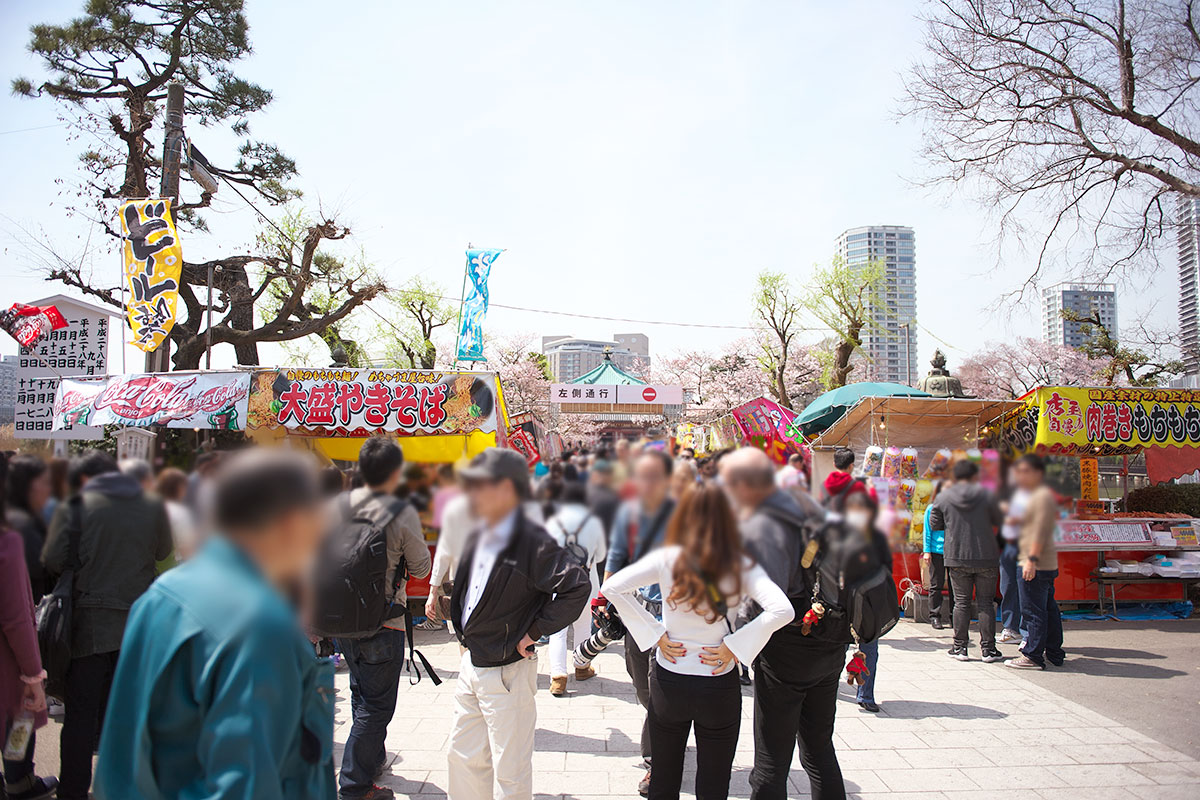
{"points": [[582, 393], [359, 401], [1103, 421]]}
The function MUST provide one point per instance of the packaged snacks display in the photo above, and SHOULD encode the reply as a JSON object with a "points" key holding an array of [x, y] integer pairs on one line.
{"points": [[920, 500], [989, 469], [872, 461], [904, 494], [975, 455], [938, 465], [885, 491], [908, 463], [900, 528], [891, 463]]}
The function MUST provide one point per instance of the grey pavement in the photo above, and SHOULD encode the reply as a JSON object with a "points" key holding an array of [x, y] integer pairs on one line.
{"points": [[1117, 722]]}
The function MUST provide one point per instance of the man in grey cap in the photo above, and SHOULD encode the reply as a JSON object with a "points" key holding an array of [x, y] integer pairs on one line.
{"points": [[517, 585]]}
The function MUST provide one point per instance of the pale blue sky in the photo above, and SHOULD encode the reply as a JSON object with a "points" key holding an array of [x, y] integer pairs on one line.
{"points": [[637, 159]]}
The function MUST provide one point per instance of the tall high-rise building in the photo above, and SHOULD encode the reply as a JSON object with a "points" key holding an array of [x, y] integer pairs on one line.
{"points": [[569, 357], [1187, 220], [890, 344], [1082, 299]]}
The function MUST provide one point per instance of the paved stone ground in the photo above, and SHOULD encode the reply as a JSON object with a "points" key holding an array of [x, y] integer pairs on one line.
{"points": [[948, 730]]}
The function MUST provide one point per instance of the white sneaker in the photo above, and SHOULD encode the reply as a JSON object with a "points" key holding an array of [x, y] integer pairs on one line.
{"points": [[1009, 635]]}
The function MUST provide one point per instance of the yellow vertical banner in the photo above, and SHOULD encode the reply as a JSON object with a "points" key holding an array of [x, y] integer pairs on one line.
{"points": [[153, 266], [1089, 479]]}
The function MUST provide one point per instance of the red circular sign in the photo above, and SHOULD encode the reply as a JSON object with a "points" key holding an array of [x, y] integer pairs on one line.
{"points": [[648, 394]]}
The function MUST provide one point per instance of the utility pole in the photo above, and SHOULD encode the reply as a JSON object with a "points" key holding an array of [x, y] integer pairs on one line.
{"points": [[159, 360]]}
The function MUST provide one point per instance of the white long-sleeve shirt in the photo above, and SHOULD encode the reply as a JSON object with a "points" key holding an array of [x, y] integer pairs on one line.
{"points": [[688, 627]]}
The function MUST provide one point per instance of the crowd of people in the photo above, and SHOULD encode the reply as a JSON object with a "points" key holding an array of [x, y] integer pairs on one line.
{"points": [[206, 605]]}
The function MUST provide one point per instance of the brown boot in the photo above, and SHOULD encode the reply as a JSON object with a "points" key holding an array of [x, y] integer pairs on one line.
{"points": [[584, 673], [558, 686]]}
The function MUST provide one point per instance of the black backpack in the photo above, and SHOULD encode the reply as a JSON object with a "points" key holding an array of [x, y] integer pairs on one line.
{"points": [[575, 551], [54, 611], [851, 581], [351, 598]]}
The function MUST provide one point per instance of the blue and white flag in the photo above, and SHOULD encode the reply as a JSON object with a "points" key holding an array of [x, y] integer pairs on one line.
{"points": [[475, 304]]}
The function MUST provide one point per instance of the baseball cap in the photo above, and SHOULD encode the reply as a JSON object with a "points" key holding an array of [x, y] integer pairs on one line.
{"points": [[497, 463]]}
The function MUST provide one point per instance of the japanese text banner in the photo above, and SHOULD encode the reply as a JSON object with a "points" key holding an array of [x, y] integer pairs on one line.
{"points": [[212, 400], [153, 265], [350, 402], [1103, 421]]}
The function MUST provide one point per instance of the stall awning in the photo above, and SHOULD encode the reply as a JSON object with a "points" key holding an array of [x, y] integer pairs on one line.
{"points": [[923, 423]]}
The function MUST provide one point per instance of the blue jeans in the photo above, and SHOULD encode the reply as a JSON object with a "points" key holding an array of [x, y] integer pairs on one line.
{"points": [[1010, 595], [1040, 610], [866, 692], [375, 666]]}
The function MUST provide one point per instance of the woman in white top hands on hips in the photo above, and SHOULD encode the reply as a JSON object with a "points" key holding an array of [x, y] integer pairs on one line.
{"points": [[705, 576]]}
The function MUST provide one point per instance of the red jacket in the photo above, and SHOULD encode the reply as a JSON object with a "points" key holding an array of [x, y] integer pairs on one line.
{"points": [[18, 640]]}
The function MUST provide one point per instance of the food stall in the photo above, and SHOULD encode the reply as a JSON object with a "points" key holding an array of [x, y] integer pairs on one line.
{"points": [[1141, 556], [903, 444], [436, 416]]}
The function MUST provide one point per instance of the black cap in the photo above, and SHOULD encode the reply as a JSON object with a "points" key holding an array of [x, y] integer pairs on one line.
{"points": [[497, 463]]}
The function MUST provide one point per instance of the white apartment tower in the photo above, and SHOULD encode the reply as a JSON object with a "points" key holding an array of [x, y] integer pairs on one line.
{"points": [[1188, 239], [890, 345], [1083, 300]]}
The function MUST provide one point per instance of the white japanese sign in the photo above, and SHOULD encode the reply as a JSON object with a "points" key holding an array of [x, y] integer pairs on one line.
{"points": [[582, 393], [650, 395], [80, 349]]}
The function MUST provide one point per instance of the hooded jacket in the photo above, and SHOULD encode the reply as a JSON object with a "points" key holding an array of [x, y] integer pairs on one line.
{"points": [[838, 486], [124, 534], [969, 515]]}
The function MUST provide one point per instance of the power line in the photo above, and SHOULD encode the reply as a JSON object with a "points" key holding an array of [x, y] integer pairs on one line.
{"points": [[38, 128]]}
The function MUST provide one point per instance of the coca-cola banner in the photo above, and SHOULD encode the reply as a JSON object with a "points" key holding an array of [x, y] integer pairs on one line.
{"points": [[358, 402], [210, 400]]}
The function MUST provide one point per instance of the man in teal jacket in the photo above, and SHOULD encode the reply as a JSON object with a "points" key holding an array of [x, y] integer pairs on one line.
{"points": [[218, 692]]}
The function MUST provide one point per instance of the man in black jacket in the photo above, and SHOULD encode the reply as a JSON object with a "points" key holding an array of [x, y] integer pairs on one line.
{"points": [[517, 585], [795, 676]]}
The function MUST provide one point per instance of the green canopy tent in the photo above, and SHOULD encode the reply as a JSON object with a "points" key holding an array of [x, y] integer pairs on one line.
{"points": [[832, 406]]}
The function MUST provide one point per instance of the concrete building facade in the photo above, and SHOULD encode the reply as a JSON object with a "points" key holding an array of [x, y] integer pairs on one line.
{"points": [[1081, 299], [570, 357], [890, 345]]}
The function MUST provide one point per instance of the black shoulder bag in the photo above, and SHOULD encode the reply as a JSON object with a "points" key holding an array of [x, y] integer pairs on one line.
{"points": [[54, 611]]}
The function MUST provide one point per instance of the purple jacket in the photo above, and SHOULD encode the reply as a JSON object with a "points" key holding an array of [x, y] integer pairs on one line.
{"points": [[18, 645]]}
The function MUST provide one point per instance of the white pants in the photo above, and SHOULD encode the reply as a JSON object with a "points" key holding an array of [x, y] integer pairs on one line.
{"points": [[491, 748], [558, 642]]}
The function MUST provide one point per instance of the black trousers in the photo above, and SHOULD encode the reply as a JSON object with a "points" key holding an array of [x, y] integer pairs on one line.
{"points": [[980, 582], [714, 706], [938, 582], [795, 701], [89, 680], [637, 663]]}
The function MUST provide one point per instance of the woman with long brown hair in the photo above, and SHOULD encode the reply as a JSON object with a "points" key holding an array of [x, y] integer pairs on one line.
{"points": [[705, 576]]}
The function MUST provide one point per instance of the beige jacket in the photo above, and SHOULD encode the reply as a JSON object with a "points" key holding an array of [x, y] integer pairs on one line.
{"points": [[1040, 524]]}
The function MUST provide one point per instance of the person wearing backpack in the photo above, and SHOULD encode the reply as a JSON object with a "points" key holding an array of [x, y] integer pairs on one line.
{"points": [[840, 484], [861, 513], [360, 601], [796, 675], [581, 534], [113, 535]]}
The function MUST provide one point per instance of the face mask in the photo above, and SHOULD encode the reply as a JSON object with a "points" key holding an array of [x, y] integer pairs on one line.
{"points": [[858, 519]]}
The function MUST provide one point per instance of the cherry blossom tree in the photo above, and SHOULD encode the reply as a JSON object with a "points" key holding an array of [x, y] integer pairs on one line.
{"points": [[1008, 370]]}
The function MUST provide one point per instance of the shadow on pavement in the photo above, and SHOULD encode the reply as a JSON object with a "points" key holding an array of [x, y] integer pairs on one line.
{"points": [[1101, 667], [920, 709]]}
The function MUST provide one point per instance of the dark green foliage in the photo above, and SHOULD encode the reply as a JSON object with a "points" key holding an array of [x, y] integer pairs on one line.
{"points": [[1167, 498]]}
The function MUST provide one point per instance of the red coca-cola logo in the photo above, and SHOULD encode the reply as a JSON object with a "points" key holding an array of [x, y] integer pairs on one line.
{"points": [[648, 394], [148, 396], [220, 397], [70, 401]]}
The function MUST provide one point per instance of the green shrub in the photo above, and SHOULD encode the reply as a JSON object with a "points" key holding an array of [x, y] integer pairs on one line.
{"points": [[1167, 498]]}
